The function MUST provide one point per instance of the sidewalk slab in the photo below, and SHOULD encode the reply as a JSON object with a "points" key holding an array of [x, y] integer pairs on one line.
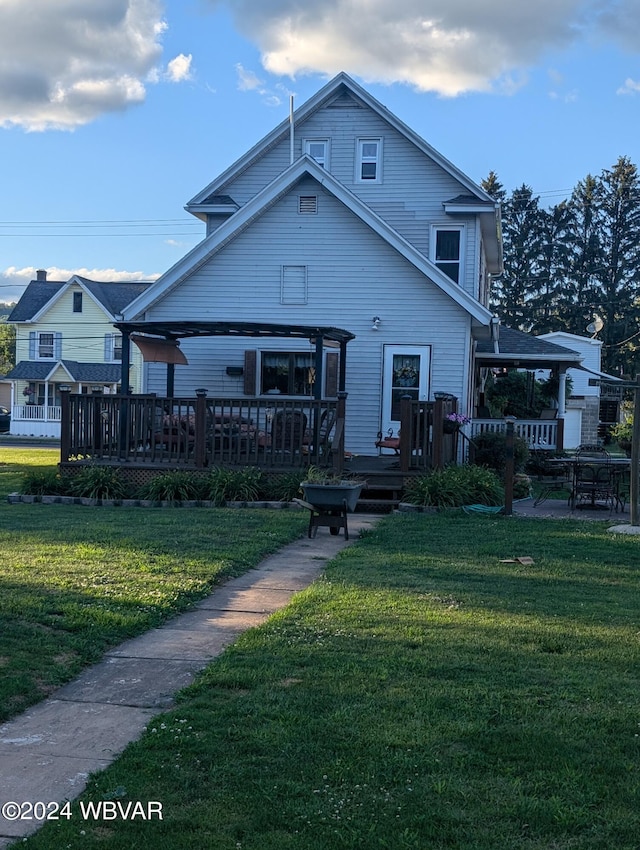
{"points": [[48, 753]]}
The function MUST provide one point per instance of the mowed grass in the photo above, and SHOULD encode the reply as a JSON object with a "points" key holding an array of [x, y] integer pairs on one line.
{"points": [[76, 580], [422, 695]]}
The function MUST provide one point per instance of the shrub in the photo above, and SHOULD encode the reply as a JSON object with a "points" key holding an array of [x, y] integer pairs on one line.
{"points": [[521, 486], [285, 487], [456, 486], [490, 450], [99, 482], [47, 482], [228, 485], [175, 486]]}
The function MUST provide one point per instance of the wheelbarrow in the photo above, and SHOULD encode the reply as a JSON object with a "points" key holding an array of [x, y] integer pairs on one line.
{"points": [[329, 504]]}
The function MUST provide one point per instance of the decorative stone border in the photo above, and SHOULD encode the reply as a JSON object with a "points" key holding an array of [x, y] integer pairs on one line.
{"points": [[17, 498]]}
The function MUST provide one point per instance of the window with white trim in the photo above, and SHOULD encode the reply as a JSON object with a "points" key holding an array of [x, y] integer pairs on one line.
{"points": [[318, 149], [369, 161], [113, 348], [45, 346], [447, 249]]}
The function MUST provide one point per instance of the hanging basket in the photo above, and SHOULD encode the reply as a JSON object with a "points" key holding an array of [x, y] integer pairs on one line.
{"points": [[449, 426]]}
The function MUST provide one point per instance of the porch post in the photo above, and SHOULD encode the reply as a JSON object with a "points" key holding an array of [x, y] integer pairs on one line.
{"points": [[317, 384], [65, 424], [342, 368], [123, 420], [171, 375], [200, 448], [562, 407]]}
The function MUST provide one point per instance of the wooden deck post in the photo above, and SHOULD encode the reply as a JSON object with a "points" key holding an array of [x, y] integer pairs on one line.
{"points": [[405, 433], [200, 446], [438, 432], [337, 447], [65, 424]]}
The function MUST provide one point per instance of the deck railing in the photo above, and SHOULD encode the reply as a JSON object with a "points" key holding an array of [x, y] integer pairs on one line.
{"points": [[200, 432], [538, 433], [424, 442], [36, 413]]}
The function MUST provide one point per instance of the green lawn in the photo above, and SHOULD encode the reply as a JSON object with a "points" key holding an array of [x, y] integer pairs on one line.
{"points": [[76, 580], [422, 695]]}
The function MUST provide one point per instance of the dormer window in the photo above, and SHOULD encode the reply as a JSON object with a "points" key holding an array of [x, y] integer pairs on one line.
{"points": [[369, 161], [319, 150]]}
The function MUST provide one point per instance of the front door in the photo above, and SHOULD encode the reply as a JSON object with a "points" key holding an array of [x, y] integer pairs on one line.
{"points": [[406, 372]]}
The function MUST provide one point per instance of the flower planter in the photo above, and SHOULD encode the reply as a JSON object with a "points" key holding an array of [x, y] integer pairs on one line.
{"points": [[449, 426], [331, 497]]}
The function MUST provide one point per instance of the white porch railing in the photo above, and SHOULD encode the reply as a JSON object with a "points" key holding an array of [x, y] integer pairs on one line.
{"points": [[36, 413], [538, 433]]}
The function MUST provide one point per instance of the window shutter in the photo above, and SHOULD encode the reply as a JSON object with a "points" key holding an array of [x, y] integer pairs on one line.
{"points": [[57, 346], [331, 374], [250, 371], [108, 347], [32, 345]]}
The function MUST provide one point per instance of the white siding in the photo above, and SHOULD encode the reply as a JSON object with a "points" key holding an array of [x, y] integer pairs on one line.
{"points": [[412, 191], [352, 275]]}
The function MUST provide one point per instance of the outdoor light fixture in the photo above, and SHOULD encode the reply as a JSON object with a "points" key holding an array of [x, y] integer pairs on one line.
{"points": [[376, 321]]}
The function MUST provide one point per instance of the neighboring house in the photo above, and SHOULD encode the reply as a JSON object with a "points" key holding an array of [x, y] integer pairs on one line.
{"points": [[592, 405], [343, 218], [65, 336]]}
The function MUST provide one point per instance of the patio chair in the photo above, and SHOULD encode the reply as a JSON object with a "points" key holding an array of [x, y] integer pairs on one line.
{"points": [[325, 428], [594, 482], [288, 431]]}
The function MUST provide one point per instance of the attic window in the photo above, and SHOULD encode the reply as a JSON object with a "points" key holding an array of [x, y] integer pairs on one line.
{"points": [[77, 302], [308, 204]]}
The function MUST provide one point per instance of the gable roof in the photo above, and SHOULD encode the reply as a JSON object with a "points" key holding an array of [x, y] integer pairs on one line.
{"points": [[35, 297], [341, 84], [99, 373], [305, 166], [40, 295]]}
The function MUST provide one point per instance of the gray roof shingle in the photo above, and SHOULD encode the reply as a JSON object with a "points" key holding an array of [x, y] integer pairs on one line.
{"points": [[88, 373], [113, 296]]}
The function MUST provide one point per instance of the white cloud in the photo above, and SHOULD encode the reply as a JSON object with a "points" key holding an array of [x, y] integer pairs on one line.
{"points": [[179, 69], [249, 81], [434, 45], [630, 87], [13, 281], [66, 62]]}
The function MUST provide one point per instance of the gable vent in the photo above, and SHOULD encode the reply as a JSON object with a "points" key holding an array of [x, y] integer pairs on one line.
{"points": [[308, 204]]}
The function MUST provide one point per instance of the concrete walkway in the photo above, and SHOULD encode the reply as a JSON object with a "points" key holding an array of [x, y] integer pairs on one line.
{"points": [[47, 753]]}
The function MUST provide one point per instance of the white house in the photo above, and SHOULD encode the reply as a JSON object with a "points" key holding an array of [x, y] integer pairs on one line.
{"points": [[588, 407], [343, 218]]}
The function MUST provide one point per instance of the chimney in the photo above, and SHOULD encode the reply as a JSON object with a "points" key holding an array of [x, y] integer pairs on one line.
{"points": [[41, 274]]}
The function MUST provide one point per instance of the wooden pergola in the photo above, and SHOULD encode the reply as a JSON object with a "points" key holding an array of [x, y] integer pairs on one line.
{"points": [[161, 338]]}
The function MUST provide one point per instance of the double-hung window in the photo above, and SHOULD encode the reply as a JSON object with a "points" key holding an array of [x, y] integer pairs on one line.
{"points": [[45, 346], [369, 161], [447, 247], [318, 149], [113, 348]]}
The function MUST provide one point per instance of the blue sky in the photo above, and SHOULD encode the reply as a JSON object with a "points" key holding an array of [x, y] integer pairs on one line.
{"points": [[112, 119]]}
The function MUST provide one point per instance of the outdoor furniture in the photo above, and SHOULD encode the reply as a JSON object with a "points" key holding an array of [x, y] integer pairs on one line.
{"points": [[288, 431], [554, 477], [594, 479], [388, 441]]}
